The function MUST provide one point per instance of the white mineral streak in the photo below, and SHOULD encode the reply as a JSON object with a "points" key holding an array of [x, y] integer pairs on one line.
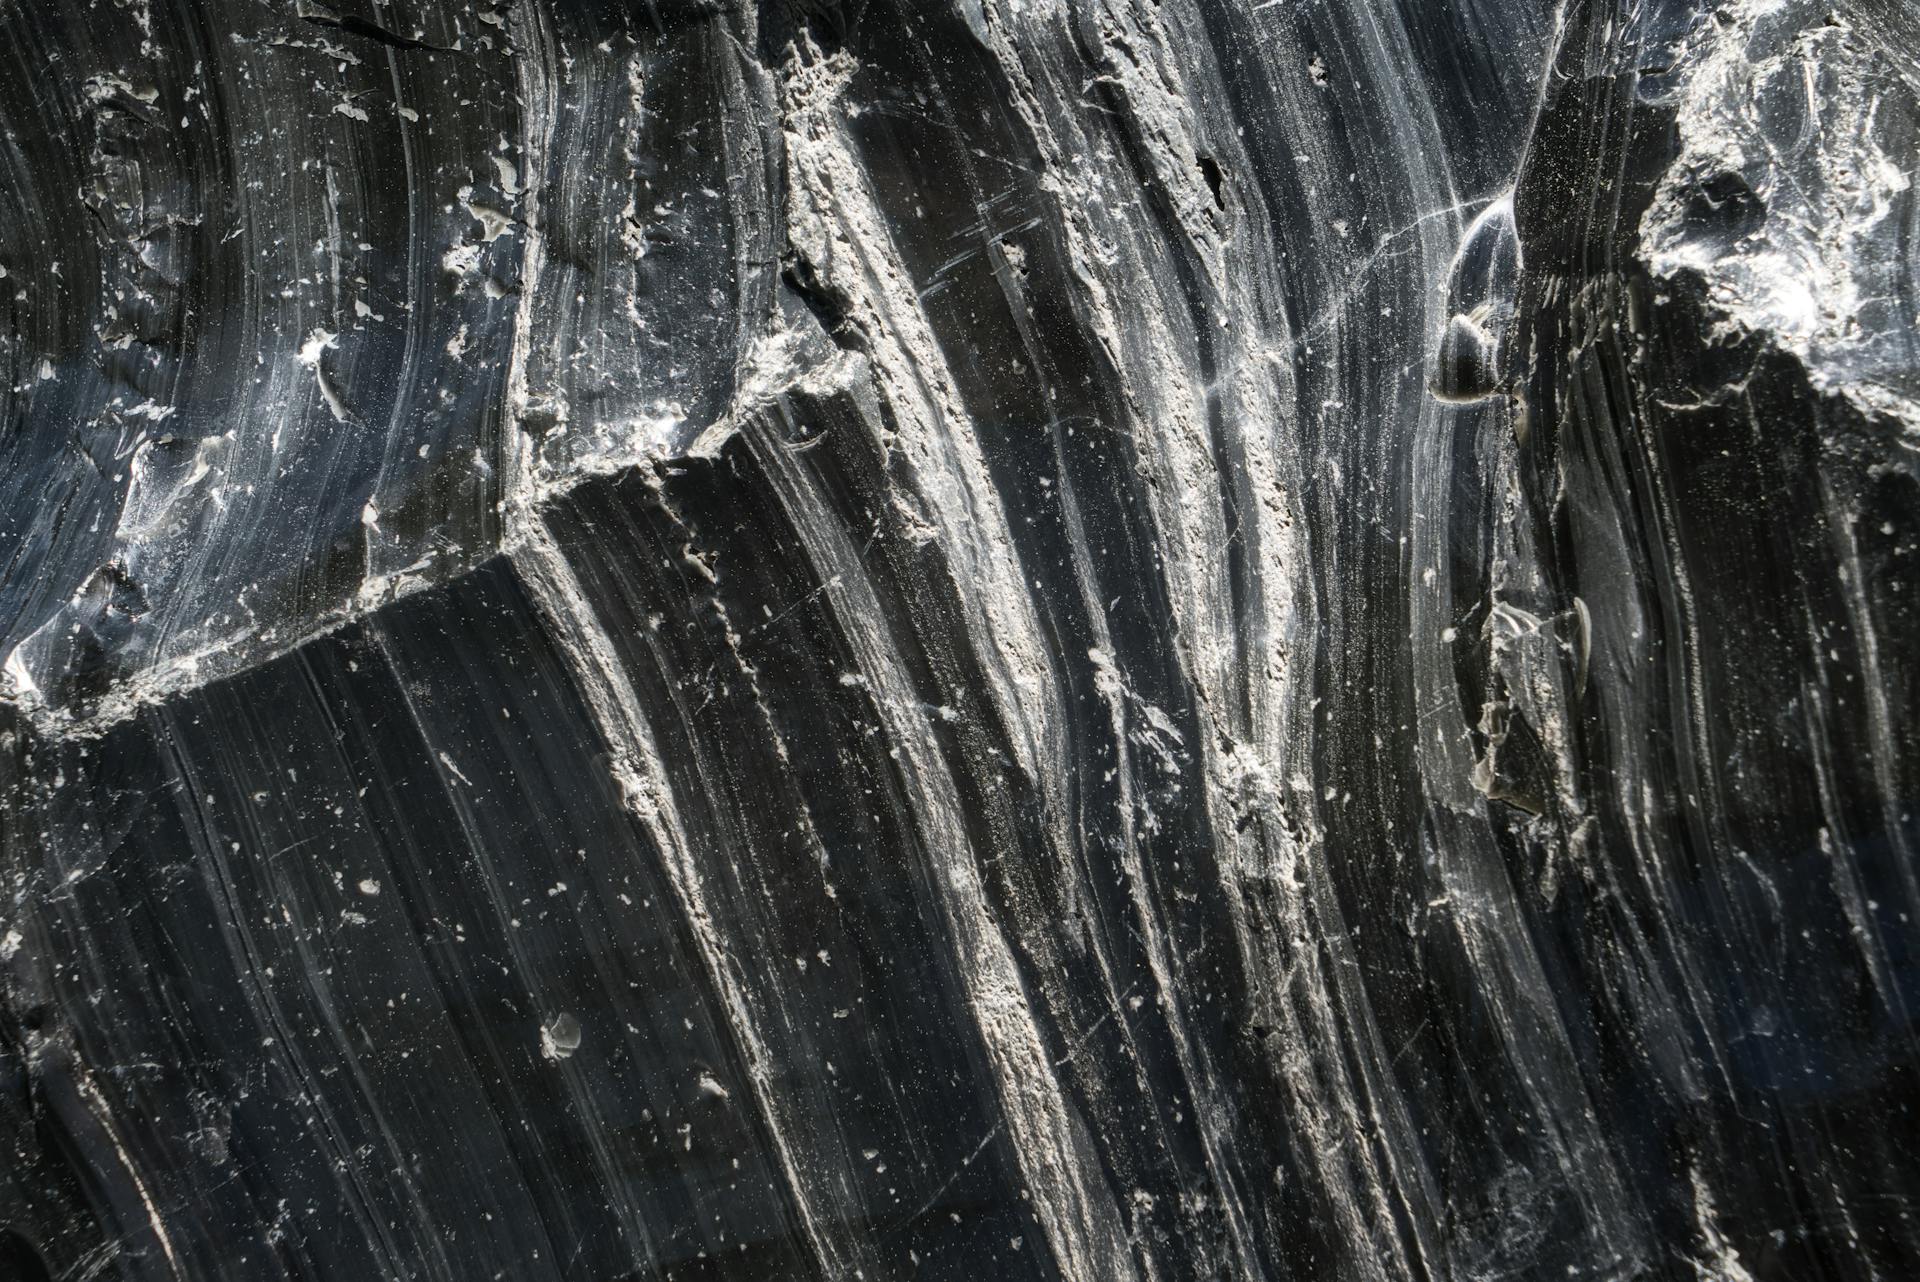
{"points": [[835, 225], [1258, 703], [536, 71], [637, 769]]}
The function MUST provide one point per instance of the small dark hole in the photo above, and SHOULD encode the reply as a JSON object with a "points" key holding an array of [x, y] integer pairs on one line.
{"points": [[1216, 180]]}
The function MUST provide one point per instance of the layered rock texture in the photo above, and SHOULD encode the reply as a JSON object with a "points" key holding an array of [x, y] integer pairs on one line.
{"points": [[959, 639]]}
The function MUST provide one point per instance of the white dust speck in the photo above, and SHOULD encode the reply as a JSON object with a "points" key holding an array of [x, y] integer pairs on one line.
{"points": [[317, 342]]}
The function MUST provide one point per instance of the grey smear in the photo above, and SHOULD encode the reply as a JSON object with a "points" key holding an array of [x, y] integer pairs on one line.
{"points": [[959, 639]]}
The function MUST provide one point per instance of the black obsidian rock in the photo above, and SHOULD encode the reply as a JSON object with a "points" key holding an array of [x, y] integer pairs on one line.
{"points": [[1069, 639]]}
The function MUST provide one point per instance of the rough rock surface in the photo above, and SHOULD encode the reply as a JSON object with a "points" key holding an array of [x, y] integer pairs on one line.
{"points": [[1083, 639]]}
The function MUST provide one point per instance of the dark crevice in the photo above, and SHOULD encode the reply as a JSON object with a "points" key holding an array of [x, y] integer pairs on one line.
{"points": [[355, 26], [799, 279], [1216, 180]]}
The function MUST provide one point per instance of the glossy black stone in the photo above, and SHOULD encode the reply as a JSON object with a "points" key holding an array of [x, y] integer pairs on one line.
{"points": [[1084, 639]]}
